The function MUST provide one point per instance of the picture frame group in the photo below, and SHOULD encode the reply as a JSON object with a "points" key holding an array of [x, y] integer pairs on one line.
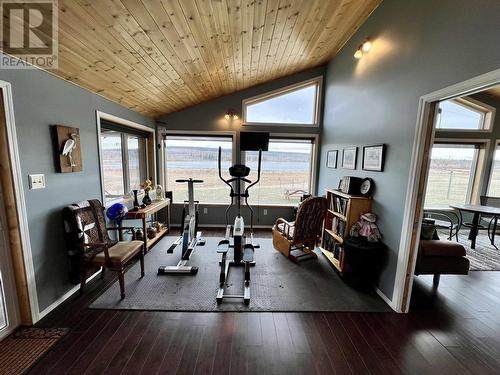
{"points": [[373, 157]]}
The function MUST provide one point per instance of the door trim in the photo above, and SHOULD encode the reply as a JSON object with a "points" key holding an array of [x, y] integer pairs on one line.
{"points": [[8, 282], [17, 181], [424, 135]]}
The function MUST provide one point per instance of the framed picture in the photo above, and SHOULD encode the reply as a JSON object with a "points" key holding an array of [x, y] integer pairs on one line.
{"points": [[373, 158], [67, 150], [331, 159], [349, 157]]}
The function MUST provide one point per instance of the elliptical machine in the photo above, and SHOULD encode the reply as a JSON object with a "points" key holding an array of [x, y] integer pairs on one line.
{"points": [[243, 251], [190, 237]]}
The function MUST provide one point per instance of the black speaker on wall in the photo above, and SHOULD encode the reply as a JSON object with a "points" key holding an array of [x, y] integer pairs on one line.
{"points": [[169, 195]]}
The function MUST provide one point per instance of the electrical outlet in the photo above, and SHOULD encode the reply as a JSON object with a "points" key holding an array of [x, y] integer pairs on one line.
{"points": [[205, 210], [265, 211], [37, 181]]}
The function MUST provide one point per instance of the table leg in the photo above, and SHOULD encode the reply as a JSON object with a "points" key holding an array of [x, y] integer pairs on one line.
{"points": [[495, 219], [473, 230], [144, 231]]}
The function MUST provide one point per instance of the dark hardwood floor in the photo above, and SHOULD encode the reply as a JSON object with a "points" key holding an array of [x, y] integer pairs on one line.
{"points": [[455, 330]]}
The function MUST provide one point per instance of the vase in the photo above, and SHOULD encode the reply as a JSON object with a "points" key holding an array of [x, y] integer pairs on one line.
{"points": [[136, 201], [147, 199]]}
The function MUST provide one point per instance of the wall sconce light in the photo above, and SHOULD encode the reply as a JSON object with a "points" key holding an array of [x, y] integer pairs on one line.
{"points": [[365, 47], [230, 115]]}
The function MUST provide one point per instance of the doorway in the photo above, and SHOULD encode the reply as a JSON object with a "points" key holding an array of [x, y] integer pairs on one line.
{"points": [[426, 134]]}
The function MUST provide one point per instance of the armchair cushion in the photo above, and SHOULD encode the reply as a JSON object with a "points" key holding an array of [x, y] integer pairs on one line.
{"points": [[441, 248], [281, 228], [121, 252]]}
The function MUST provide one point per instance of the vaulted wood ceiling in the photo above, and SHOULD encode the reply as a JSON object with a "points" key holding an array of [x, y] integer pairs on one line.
{"points": [[158, 56]]}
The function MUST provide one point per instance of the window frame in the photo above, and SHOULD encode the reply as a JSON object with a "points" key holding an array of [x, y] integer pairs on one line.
{"points": [[143, 163], [490, 174], [487, 115], [479, 167], [195, 134], [150, 158], [318, 81], [313, 163]]}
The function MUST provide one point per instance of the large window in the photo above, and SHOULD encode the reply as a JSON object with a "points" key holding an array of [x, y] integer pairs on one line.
{"points": [[494, 184], [286, 172], [463, 114], [451, 174], [123, 161], [293, 105], [196, 157]]}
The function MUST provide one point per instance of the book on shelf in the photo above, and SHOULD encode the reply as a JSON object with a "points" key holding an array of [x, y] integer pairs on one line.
{"points": [[338, 226], [341, 228], [337, 251]]}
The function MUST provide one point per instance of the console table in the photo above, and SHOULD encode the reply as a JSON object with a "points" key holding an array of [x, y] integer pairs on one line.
{"points": [[144, 213]]}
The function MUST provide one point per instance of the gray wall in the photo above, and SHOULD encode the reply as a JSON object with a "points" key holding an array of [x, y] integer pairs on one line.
{"points": [[419, 46], [209, 116], [41, 100]]}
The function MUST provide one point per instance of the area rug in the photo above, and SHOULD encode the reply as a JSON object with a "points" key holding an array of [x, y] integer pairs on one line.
{"points": [[20, 350], [484, 257], [277, 284]]}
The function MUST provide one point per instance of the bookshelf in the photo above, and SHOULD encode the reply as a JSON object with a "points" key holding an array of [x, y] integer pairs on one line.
{"points": [[344, 210]]}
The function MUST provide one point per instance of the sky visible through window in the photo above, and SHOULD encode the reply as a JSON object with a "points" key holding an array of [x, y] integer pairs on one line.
{"points": [[296, 107], [457, 116]]}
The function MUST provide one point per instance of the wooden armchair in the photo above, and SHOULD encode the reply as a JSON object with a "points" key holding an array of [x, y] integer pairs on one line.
{"points": [[90, 247], [297, 240]]}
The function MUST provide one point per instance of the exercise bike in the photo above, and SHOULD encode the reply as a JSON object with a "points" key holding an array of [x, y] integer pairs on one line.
{"points": [[243, 251], [190, 237]]}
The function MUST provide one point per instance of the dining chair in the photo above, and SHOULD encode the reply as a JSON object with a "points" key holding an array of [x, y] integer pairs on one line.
{"points": [[448, 220]]}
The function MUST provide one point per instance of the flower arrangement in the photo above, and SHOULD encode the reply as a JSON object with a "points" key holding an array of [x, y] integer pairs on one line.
{"points": [[147, 186]]}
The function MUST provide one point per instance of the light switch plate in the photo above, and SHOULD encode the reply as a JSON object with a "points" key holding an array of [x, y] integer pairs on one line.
{"points": [[265, 211], [37, 181]]}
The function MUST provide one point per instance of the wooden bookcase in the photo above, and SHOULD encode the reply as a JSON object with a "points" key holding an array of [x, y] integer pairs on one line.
{"points": [[344, 210]]}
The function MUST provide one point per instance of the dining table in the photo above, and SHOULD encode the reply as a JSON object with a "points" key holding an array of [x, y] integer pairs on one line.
{"points": [[477, 210]]}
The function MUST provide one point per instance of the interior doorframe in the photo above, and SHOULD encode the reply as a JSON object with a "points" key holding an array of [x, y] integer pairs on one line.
{"points": [[413, 212], [21, 215], [8, 283]]}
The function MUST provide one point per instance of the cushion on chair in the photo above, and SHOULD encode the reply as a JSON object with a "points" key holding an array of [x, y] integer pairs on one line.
{"points": [[121, 252], [442, 265], [281, 228], [441, 248]]}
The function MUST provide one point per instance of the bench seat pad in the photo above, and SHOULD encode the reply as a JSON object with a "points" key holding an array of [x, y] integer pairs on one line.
{"points": [[121, 252], [441, 248]]}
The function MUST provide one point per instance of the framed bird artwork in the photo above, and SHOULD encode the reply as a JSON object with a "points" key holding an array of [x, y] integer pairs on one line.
{"points": [[67, 149]]}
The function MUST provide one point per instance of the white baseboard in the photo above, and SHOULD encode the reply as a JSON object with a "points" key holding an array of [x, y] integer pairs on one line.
{"points": [[391, 303], [63, 298]]}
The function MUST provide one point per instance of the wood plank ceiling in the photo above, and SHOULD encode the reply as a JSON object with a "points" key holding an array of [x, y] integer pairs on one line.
{"points": [[156, 56]]}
